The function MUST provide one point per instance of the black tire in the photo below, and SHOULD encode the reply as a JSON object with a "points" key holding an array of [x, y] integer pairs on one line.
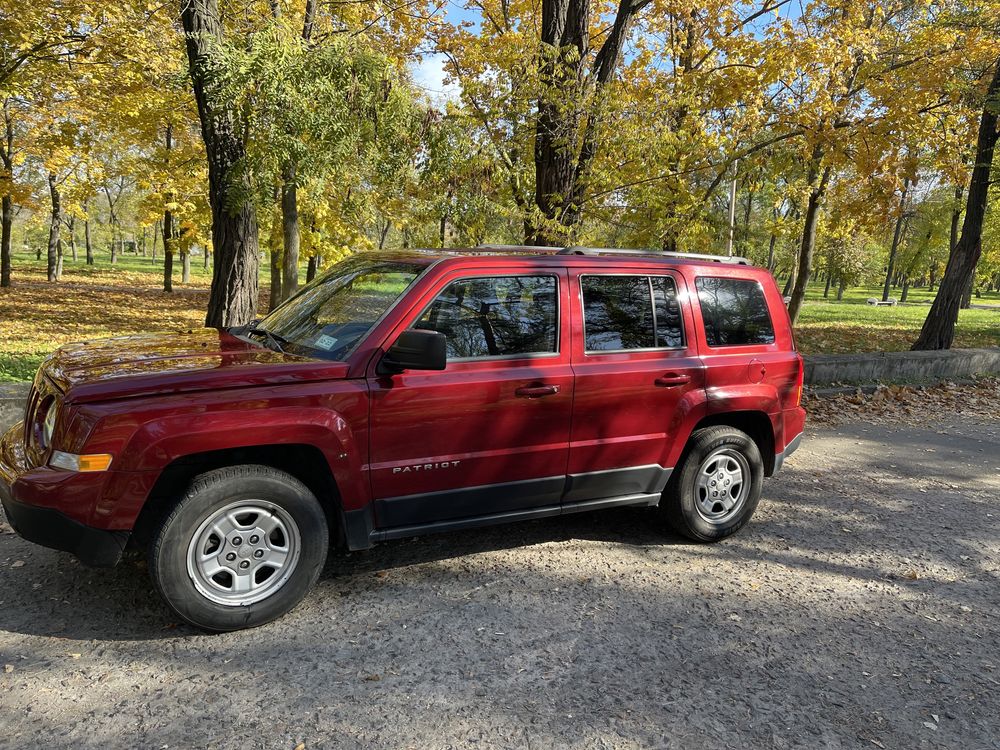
{"points": [[680, 502], [286, 503]]}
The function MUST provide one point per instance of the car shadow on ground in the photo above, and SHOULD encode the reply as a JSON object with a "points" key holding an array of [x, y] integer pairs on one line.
{"points": [[52, 595]]}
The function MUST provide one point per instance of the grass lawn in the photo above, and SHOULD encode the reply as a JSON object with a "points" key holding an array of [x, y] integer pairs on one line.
{"points": [[831, 327], [104, 300]]}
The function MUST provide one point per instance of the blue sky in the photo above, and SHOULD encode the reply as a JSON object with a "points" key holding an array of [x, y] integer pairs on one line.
{"points": [[428, 73]]}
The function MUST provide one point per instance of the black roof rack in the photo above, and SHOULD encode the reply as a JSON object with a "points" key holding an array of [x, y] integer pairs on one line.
{"points": [[655, 253], [532, 249], [578, 250]]}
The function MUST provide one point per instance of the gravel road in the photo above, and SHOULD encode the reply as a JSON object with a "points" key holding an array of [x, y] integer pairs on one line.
{"points": [[860, 609]]}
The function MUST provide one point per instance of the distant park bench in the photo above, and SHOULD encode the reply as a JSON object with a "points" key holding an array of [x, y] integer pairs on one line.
{"points": [[891, 302]]}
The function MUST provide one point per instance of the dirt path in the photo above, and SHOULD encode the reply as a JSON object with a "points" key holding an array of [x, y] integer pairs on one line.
{"points": [[860, 609]]}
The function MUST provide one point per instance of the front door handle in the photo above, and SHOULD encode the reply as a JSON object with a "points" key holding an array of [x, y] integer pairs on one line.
{"points": [[536, 391], [672, 379]]}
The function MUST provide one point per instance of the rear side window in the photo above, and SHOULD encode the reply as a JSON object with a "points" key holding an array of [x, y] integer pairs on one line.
{"points": [[735, 312], [498, 316], [630, 312]]}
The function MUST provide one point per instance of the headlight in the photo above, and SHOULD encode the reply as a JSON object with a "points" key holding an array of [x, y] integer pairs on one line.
{"points": [[44, 423], [49, 425]]}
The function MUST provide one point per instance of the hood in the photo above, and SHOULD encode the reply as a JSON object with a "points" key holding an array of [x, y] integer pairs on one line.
{"points": [[200, 359]]}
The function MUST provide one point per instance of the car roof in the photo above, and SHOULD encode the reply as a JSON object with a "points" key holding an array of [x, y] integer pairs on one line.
{"points": [[560, 256]]}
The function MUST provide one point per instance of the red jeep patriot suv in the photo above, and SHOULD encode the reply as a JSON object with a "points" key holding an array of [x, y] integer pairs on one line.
{"points": [[400, 394]]}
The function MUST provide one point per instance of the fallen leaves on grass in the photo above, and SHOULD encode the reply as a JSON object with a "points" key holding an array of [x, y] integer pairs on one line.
{"points": [[916, 405], [39, 316]]}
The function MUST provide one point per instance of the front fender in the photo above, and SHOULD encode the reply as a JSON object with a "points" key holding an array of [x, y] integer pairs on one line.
{"points": [[154, 435]]}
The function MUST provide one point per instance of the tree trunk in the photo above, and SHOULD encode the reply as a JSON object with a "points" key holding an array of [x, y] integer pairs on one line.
{"points": [[86, 242], [906, 289], [168, 221], [6, 201], [938, 331], [790, 282], [71, 227], [233, 297], [894, 249], [566, 142], [967, 294], [114, 243], [275, 242], [311, 270], [770, 252], [6, 227], [274, 297], [156, 239], [933, 278], [290, 233], [168, 251], [185, 266], [54, 224], [818, 177], [840, 289], [826, 291], [142, 243]]}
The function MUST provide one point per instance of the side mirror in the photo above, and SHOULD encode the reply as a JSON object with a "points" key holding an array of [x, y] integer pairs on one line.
{"points": [[416, 349]]}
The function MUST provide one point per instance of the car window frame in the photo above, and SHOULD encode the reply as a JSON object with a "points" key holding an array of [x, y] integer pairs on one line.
{"points": [[767, 307], [649, 277], [502, 275]]}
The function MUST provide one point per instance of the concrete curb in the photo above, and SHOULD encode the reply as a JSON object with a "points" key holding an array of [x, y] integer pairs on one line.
{"points": [[900, 367], [12, 398]]}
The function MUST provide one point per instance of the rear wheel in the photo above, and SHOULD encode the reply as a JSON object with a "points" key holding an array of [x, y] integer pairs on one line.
{"points": [[715, 490], [241, 548]]}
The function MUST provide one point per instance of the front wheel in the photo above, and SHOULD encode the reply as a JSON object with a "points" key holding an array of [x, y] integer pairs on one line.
{"points": [[241, 548], [716, 488]]}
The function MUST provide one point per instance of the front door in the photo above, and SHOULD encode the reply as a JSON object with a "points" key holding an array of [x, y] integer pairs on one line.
{"points": [[490, 434], [637, 377]]}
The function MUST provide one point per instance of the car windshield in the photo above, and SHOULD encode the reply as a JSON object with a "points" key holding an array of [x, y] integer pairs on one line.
{"points": [[329, 316]]}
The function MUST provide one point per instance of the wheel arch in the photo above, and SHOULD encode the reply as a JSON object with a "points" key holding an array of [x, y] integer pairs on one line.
{"points": [[304, 461], [756, 424]]}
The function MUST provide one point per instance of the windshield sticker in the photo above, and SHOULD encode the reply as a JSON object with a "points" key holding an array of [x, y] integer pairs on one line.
{"points": [[325, 342]]}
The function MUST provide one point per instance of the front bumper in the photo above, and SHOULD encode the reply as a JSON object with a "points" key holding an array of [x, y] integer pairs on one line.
{"points": [[38, 522], [50, 528]]}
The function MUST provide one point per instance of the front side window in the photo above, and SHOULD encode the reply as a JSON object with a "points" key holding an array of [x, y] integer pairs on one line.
{"points": [[631, 312], [331, 315], [735, 312], [496, 316]]}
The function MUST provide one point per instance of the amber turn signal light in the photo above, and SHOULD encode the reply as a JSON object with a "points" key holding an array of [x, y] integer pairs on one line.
{"points": [[87, 462]]}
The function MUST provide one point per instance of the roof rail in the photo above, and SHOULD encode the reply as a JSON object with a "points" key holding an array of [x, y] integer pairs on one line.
{"points": [[657, 253], [514, 249]]}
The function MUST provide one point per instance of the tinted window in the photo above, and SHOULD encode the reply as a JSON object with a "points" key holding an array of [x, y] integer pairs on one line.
{"points": [[669, 329], [631, 312], [496, 316], [617, 313], [735, 312]]}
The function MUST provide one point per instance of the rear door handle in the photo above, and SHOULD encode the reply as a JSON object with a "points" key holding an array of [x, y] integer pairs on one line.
{"points": [[536, 391], [671, 379]]}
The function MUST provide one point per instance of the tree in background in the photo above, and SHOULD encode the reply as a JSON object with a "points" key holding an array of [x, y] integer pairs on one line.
{"points": [[938, 330], [233, 299]]}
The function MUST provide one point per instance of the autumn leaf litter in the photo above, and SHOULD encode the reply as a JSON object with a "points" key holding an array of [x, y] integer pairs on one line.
{"points": [[912, 405]]}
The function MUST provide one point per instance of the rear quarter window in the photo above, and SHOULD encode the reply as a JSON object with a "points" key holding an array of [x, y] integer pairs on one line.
{"points": [[734, 311]]}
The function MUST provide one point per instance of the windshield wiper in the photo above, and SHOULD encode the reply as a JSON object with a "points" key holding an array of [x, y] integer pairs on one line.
{"points": [[273, 338]]}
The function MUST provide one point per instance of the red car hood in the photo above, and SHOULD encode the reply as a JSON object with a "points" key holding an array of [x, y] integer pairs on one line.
{"points": [[199, 359]]}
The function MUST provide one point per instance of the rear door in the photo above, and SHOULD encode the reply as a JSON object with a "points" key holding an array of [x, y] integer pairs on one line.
{"points": [[638, 378], [489, 434]]}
